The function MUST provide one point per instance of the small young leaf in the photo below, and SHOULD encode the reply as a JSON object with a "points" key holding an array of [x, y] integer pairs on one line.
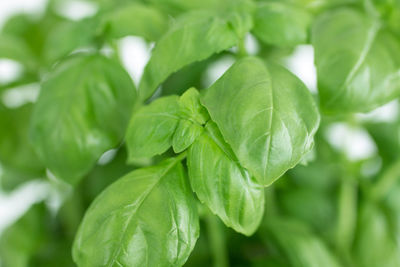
{"points": [[185, 134], [147, 218], [265, 114], [135, 19], [281, 24], [191, 106], [222, 184], [152, 127], [82, 111], [358, 64], [194, 36]]}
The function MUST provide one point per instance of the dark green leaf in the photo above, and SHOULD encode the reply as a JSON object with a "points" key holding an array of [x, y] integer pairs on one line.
{"points": [[147, 218], [266, 114], [82, 111]]}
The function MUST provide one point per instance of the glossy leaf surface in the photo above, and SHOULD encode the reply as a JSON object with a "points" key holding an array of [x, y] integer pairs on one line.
{"points": [[222, 184], [82, 111], [195, 36], [152, 127], [147, 218], [266, 114]]}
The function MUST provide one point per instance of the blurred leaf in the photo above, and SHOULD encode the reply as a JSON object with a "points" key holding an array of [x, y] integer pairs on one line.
{"points": [[281, 24], [24, 238], [82, 111], [376, 244], [68, 36], [358, 62], [387, 138], [298, 244], [135, 19]]}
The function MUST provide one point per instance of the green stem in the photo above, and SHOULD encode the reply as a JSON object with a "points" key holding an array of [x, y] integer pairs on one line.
{"points": [[347, 216], [217, 241], [386, 181], [242, 48]]}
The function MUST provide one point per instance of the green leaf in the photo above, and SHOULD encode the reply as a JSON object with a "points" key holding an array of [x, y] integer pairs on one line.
{"points": [[82, 111], [265, 114], [358, 62], [222, 184], [15, 149], [185, 134], [194, 36], [298, 244], [135, 19], [281, 24], [68, 36], [15, 49], [147, 218], [166, 121], [374, 229], [151, 128]]}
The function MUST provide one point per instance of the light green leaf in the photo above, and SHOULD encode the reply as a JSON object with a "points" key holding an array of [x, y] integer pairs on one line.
{"points": [[135, 19], [358, 63], [185, 134], [300, 246], [82, 111], [195, 36], [69, 36], [266, 114], [147, 218], [15, 49], [281, 24], [152, 127], [192, 108], [222, 184]]}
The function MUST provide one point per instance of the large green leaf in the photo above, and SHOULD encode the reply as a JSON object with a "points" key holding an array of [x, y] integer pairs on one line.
{"points": [[266, 114], [147, 218], [82, 111], [194, 36], [281, 24], [135, 19], [222, 184], [358, 63]]}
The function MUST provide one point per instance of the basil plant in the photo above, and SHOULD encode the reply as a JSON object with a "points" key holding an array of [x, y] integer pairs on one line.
{"points": [[178, 168]]}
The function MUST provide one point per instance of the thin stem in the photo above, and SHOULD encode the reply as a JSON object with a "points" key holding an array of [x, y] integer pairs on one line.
{"points": [[347, 216], [216, 237], [242, 52], [386, 181]]}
